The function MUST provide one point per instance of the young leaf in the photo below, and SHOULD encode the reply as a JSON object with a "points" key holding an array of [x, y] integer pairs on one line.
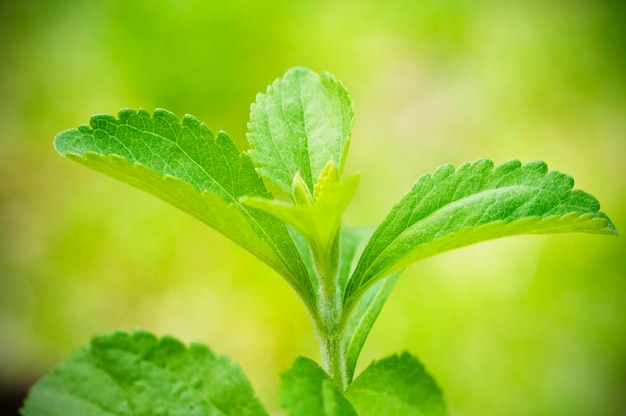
{"points": [[183, 163], [451, 209], [308, 391], [396, 386], [301, 123], [124, 374], [317, 218]]}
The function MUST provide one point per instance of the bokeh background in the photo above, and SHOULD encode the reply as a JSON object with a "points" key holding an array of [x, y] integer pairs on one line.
{"points": [[531, 325]]}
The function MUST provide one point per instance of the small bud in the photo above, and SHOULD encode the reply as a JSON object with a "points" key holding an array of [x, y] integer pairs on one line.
{"points": [[301, 194]]}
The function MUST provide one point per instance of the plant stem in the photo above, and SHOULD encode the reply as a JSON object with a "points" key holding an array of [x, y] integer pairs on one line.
{"points": [[329, 332], [330, 309], [334, 359]]}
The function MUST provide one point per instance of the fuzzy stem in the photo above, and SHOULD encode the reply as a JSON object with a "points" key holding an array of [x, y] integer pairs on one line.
{"points": [[330, 309]]}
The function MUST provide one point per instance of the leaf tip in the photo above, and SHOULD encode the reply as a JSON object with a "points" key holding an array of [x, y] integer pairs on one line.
{"points": [[299, 72], [611, 228], [60, 141]]}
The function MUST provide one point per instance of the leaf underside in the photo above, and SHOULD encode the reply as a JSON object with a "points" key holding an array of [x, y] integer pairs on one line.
{"points": [[124, 374], [477, 202], [362, 317], [183, 163]]}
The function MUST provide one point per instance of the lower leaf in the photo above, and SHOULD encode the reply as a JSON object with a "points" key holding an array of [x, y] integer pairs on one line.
{"points": [[396, 386], [128, 374], [308, 391]]}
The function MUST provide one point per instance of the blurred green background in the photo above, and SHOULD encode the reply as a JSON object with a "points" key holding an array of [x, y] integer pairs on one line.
{"points": [[523, 326]]}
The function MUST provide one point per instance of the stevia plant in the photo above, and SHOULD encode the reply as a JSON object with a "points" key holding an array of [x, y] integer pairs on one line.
{"points": [[299, 133]]}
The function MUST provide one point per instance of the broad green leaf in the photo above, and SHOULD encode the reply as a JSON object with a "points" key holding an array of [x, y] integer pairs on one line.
{"points": [[301, 123], [124, 374], [454, 208], [396, 386], [183, 163], [308, 391]]}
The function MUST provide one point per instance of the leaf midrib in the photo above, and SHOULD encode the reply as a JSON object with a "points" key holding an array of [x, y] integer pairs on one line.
{"points": [[271, 130], [305, 124]]}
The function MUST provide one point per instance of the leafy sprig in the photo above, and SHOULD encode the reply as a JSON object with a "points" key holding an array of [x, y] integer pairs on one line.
{"points": [[299, 135]]}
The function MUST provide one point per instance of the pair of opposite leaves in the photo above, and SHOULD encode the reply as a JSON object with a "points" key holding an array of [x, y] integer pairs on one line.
{"points": [[296, 128]]}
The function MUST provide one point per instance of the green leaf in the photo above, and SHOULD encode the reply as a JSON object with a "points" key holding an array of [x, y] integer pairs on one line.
{"points": [[301, 123], [124, 374], [183, 163], [396, 386], [361, 318], [308, 391], [353, 241], [477, 202]]}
